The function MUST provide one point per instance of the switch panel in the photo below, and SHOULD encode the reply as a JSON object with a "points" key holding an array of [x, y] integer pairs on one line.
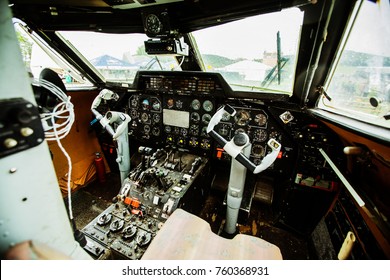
{"points": [[20, 126]]}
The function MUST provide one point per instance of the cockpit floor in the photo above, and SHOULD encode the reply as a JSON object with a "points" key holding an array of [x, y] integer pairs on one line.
{"points": [[260, 223]]}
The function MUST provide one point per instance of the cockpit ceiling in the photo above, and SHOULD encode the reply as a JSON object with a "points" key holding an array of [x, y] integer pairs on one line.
{"points": [[118, 4], [125, 15]]}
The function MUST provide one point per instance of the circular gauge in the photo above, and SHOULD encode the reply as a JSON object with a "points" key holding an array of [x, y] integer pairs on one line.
{"points": [[204, 133], [193, 142], [146, 129], [258, 150], [156, 105], [133, 113], [261, 119], [225, 117], [242, 118], [170, 103], [273, 134], [195, 104], [224, 130], [183, 131], [195, 117], [194, 129], [145, 104], [179, 104], [205, 144], [206, 118], [207, 106], [144, 117], [156, 118], [168, 129], [260, 135], [153, 24], [156, 131], [134, 102]]}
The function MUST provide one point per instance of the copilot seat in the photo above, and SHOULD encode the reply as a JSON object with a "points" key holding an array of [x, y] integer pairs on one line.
{"points": [[185, 236]]}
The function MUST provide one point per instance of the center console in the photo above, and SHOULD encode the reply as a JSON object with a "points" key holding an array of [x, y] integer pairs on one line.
{"points": [[162, 182]]}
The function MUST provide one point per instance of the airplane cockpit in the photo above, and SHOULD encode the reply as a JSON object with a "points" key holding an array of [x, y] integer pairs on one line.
{"points": [[191, 129]]}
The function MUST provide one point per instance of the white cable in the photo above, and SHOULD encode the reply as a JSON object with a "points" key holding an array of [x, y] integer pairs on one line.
{"points": [[69, 169], [182, 60], [56, 132], [64, 110], [179, 65]]}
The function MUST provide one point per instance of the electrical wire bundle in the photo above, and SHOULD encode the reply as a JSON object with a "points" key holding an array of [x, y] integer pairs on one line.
{"points": [[57, 125], [62, 111]]}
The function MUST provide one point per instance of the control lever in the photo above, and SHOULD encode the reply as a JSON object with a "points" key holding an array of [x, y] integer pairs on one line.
{"points": [[160, 182], [238, 148], [145, 157], [195, 165], [156, 155], [119, 130], [105, 94]]}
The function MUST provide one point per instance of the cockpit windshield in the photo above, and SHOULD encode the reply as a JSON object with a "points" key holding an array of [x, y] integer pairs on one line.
{"points": [[258, 53], [117, 57]]}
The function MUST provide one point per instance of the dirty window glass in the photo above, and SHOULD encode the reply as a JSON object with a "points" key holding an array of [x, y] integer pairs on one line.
{"points": [[37, 55], [257, 53], [117, 57], [359, 86]]}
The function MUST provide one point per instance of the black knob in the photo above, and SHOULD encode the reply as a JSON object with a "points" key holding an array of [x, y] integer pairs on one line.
{"points": [[25, 116], [21, 115], [240, 139]]}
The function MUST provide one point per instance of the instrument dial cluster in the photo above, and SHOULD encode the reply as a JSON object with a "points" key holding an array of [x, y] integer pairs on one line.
{"points": [[172, 119], [185, 119], [145, 111]]}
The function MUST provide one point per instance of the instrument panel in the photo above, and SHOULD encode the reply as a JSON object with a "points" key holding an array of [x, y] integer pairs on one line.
{"points": [[175, 120], [175, 109]]}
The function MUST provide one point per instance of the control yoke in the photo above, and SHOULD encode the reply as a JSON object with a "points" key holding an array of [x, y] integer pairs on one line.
{"points": [[116, 124], [238, 148], [235, 146]]}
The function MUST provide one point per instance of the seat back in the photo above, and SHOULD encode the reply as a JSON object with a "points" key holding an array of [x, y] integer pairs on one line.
{"points": [[185, 236]]}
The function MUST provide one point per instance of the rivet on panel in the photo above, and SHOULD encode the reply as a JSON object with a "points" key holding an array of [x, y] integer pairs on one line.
{"points": [[12, 170]]}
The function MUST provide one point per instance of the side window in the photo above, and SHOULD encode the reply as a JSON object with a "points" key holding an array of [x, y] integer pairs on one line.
{"points": [[359, 85], [37, 56]]}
